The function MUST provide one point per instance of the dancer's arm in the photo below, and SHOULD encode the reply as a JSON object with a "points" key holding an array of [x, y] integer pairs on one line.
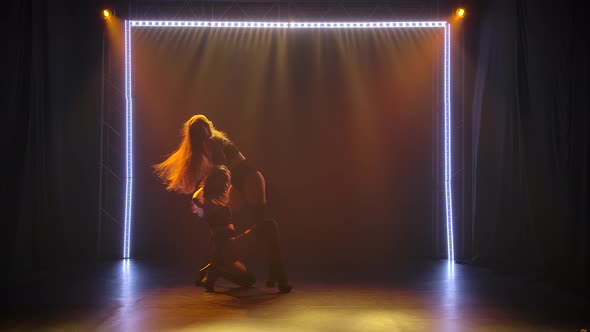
{"points": [[198, 202], [232, 154], [198, 198]]}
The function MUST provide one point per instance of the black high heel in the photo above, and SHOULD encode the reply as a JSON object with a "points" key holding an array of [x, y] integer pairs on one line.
{"points": [[285, 288], [202, 275], [209, 281], [208, 277], [203, 270], [278, 277]]}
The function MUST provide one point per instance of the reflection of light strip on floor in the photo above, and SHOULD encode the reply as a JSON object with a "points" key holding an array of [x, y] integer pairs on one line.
{"points": [[450, 269], [127, 285], [289, 25]]}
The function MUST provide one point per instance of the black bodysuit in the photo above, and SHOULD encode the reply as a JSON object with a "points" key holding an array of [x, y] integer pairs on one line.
{"points": [[218, 217], [224, 152]]}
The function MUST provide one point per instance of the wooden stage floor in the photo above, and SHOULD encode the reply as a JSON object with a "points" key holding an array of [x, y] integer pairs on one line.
{"points": [[419, 296]]}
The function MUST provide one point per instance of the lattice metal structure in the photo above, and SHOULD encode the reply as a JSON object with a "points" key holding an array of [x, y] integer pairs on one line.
{"points": [[112, 153], [264, 10], [111, 161]]}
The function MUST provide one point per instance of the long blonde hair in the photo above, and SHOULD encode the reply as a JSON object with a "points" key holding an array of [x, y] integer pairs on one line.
{"points": [[190, 163]]}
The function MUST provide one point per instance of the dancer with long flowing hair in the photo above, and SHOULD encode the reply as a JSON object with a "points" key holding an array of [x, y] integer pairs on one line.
{"points": [[201, 149]]}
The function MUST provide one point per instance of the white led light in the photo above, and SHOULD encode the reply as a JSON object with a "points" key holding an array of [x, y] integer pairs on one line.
{"points": [[128, 145], [322, 25], [447, 131]]}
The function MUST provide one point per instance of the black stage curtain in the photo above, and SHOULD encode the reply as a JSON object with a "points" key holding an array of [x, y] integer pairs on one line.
{"points": [[527, 187], [50, 109]]}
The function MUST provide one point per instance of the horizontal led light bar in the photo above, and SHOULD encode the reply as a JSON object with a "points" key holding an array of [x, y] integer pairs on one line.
{"points": [[291, 25]]}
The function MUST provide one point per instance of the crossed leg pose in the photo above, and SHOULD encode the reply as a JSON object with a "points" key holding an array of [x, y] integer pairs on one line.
{"points": [[185, 170], [224, 262]]}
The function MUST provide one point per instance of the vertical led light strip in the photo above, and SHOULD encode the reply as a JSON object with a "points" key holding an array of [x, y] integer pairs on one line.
{"points": [[448, 168], [128, 144], [289, 25]]}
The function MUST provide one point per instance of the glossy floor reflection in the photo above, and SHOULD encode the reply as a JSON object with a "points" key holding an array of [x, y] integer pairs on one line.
{"points": [[434, 295]]}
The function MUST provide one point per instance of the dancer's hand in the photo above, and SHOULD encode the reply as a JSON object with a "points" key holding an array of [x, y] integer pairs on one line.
{"points": [[197, 209], [200, 212]]}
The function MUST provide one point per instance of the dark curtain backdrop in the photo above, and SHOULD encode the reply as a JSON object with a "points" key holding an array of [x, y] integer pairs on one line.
{"points": [[50, 107], [527, 200], [339, 121]]}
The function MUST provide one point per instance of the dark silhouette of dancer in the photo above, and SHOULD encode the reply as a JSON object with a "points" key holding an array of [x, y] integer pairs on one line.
{"points": [[186, 169]]}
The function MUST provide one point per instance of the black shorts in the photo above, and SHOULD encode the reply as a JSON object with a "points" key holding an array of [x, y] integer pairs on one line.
{"points": [[239, 174]]}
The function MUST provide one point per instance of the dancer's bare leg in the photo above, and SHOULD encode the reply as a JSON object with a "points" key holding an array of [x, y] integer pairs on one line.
{"points": [[266, 229], [237, 273]]}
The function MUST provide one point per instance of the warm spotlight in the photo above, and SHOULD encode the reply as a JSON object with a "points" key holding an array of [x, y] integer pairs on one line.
{"points": [[460, 12], [107, 14]]}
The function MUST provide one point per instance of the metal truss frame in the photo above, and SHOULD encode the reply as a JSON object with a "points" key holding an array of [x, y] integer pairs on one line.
{"points": [[111, 209]]}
